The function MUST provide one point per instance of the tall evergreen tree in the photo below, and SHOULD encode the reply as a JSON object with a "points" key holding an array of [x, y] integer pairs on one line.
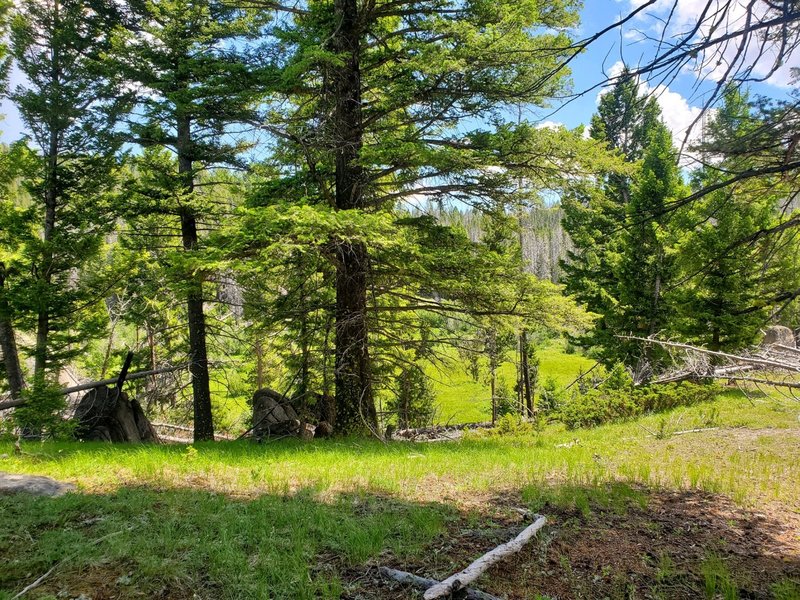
{"points": [[16, 228], [371, 98], [189, 63], [619, 263], [729, 288], [644, 267], [70, 109]]}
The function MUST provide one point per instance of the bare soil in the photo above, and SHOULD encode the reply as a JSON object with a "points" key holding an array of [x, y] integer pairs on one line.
{"points": [[654, 552]]}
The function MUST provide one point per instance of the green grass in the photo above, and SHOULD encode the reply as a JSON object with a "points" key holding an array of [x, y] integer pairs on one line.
{"points": [[712, 461], [461, 399], [285, 519], [161, 544]]}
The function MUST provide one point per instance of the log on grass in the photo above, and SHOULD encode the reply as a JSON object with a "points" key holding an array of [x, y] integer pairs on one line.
{"points": [[424, 583], [476, 569]]}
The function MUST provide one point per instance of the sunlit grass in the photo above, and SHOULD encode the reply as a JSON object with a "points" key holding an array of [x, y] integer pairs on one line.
{"points": [[461, 399], [748, 465], [245, 520]]}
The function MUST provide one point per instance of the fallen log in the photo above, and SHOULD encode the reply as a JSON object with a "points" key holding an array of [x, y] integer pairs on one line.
{"points": [[759, 362], [217, 435], [463, 578], [13, 403], [794, 385], [424, 583]]}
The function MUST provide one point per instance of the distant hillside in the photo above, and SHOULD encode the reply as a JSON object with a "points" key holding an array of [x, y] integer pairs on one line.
{"points": [[544, 241]]}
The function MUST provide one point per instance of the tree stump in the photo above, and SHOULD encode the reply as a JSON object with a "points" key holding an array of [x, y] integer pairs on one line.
{"points": [[106, 414]]}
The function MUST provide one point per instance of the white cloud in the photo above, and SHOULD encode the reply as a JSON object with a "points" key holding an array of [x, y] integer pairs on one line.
{"points": [[549, 125], [676, 111], [724, 17], [678, 115]]}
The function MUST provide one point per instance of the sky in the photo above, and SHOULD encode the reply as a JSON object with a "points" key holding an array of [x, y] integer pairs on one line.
{"points": [[680, 100]]}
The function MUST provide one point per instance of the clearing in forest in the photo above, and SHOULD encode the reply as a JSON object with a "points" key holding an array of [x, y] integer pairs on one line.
{"points": [[697, 515]]}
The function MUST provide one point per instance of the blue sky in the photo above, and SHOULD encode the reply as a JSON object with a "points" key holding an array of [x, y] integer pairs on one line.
{"points": [[680, 100]]}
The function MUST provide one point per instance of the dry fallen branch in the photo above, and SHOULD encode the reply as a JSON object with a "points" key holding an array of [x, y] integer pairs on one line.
{"points": [[13, 403], [463, 578], [39, 580], [424, 583], [774, 365], [767, 363]]}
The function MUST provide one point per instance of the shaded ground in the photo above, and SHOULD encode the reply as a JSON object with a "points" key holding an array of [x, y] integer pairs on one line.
{"points": [[670, 545]]}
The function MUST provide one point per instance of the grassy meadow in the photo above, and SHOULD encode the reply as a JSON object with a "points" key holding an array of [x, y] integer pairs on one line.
{"points": [[292, 519], [461, 399]]}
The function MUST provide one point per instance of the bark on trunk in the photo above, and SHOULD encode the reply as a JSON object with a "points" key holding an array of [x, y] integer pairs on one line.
{"points": [[198, 354], [355, 404], [527, 390], [8, 344]]}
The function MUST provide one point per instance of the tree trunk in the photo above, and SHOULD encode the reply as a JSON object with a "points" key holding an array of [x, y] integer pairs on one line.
{"points": [[46, 267], [492, 385], [527, 390], [8, 344], [198, 354], [259, 348], [355, 406], [355, 410]]}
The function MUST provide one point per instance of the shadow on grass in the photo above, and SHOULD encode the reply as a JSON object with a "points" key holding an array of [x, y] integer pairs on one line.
{"points": [[138, 542], [602, 542]]}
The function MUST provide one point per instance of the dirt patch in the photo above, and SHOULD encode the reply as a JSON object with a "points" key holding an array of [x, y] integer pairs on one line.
{"points": [[674, 548]]}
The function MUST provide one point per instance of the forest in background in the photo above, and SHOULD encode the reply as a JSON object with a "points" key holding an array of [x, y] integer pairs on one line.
{"points": [[329, 202]]}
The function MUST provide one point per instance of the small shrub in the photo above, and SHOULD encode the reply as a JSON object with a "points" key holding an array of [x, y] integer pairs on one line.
{"points": [[550, 396], [506, 402], [617, 399], [40, 416], [510, 424], [413, 400]]}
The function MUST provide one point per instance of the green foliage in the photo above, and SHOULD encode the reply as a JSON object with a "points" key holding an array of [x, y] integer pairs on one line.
{"points": [[505, 401], [621, 264], [550, 396], [41, 413], [730, 287], [413, 399], [617, 399], [71, 113]]}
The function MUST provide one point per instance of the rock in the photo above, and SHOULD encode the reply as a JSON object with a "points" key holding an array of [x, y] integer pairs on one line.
{"points": [[105, 415], [273, 414], [778, 334], [11, 483]]}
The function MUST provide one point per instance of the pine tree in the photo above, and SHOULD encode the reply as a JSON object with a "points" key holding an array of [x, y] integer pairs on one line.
{"points": [[71, 112], [728, 286], [369, 100], [644, 267], [16, 228], [195, 79], [620, 261]]}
